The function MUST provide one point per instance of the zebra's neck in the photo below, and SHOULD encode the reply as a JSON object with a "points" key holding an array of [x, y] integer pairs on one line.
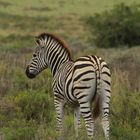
{"points": [[57, 56]]}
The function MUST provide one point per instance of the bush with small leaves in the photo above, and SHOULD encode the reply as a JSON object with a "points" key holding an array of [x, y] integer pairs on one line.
{"points": [[117, 27], [35, 105]]}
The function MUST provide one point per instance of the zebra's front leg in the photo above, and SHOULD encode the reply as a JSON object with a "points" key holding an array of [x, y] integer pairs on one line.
{"points": [[59, 106], [86, 113], [77, 120]]}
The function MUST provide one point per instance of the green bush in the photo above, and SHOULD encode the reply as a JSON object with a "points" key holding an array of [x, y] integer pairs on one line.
{"points": [[124, 133], [34, 106], [18, 130], [125, 123], [118, 27]]}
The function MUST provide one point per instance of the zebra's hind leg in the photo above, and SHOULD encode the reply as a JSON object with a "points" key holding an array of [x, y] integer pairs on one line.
{"points": [[105, 123], [105, 98], [77, 120], [105, 94], [86, 113]]}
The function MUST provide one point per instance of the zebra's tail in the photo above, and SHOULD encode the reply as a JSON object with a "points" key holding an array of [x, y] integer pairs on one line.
{"points": [[96, 103], [103, 81], [96, 108]]}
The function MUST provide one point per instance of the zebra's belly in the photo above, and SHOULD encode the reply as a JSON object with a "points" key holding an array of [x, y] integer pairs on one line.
{"points": [[84, 88], [71, 99], [81, 92], [85, 91]]}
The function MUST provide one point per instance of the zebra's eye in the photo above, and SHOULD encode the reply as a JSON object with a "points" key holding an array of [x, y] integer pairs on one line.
{"points": [[34, 55]]}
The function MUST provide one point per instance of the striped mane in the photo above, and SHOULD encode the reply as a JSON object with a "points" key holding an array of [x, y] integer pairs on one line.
{"points": [[58, 39]]}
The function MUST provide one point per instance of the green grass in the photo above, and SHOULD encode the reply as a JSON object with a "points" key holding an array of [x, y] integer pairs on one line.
{"points": [[55, 8], [20, 21], [34, 16]]}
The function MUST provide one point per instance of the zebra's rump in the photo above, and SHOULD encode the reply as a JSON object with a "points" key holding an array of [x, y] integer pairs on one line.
{"points": [[80, 82]]}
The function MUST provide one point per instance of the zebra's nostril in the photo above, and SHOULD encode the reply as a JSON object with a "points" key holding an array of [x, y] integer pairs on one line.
{"points": [[27, 70], [28, 74]]}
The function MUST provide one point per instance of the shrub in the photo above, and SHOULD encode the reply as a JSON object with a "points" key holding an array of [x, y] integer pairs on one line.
{"points": [[118, 27], [124, 133], [18, 130], [124, 115], [34, 106]]}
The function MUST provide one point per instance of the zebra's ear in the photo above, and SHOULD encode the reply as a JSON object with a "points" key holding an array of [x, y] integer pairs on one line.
{"points": [[37, 41]]}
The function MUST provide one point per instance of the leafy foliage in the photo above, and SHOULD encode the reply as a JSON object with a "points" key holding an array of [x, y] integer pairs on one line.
{"points": [[34, 106], [18, 129], [117, 27]]}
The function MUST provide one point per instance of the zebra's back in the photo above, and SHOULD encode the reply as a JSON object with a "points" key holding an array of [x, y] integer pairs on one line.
{"points": [[79, 80]]}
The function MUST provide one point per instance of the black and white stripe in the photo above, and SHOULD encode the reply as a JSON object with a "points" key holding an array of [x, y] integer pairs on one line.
{"points": [[79, 83]]}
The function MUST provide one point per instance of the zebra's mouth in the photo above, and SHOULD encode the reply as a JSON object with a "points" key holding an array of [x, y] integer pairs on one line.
{"points": [[30, 75]]}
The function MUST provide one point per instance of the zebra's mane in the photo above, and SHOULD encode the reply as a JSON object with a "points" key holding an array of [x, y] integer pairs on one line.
{"points": [[61, 41]]}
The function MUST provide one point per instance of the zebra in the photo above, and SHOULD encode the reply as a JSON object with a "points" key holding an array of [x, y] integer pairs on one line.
{"points": [[83, 83]]}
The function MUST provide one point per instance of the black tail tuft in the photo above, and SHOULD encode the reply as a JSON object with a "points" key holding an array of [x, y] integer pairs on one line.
{"points": [[96, 109]]}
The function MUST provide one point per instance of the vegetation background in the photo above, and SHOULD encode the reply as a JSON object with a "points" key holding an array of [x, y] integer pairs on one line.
{"points": [[26, 106]]}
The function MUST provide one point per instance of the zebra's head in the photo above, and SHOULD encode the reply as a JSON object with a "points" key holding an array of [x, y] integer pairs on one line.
{"points": [[38, 62], [50, 52]]}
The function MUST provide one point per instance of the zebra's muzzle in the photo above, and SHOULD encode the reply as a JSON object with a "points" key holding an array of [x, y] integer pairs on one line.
{"points": [[29, 74]]}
